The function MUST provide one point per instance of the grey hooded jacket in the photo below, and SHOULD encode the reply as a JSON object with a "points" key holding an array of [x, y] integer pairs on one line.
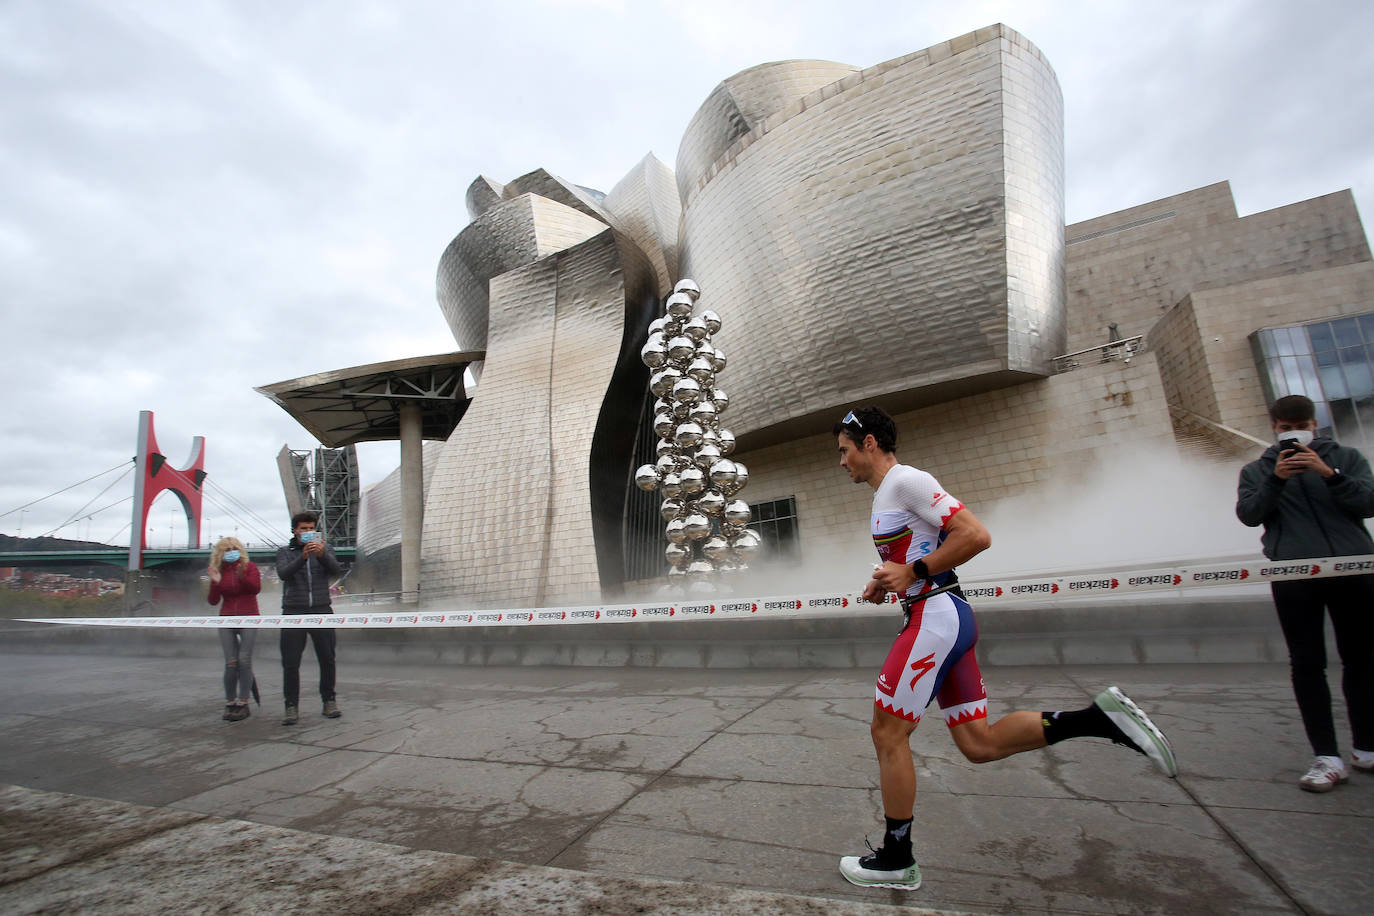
{"points": [[1308, 515], [305, 582]]}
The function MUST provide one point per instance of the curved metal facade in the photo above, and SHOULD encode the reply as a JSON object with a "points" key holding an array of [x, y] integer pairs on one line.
{"points": [[897, 234]]}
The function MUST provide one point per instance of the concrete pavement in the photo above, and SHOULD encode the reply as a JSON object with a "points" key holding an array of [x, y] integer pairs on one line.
{"points": [[666, 790]]}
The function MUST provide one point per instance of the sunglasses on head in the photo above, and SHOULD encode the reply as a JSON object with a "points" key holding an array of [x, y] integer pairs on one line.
{"points": [[850, 418]]}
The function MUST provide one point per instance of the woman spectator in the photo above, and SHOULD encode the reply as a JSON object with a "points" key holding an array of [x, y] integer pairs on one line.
{"points": [[235, 579]]}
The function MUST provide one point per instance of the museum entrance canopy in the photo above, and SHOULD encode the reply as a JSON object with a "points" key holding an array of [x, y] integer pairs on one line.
{"points": [[363, 404]]}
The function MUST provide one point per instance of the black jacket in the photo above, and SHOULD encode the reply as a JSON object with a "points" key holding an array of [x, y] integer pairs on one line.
{"points": [[1308, 515], [305, 582]]}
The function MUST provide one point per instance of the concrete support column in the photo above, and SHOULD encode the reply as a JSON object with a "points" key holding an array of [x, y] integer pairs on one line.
{"points": [[412, 501]]}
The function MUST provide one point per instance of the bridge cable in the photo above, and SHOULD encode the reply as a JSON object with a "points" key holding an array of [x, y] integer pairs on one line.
{"points": [[82, 511], [238, 502], [63, 490], [247, 523]]}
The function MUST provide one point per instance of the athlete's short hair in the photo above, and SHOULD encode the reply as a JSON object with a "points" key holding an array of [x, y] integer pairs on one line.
{"points": [[1294, 408], [869, 421]]}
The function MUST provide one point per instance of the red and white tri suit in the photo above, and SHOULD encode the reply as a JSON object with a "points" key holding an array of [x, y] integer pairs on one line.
{"points": [[933, 655]]}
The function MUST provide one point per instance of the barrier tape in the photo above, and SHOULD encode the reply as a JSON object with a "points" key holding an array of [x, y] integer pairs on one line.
{"points": [[981, 592]]}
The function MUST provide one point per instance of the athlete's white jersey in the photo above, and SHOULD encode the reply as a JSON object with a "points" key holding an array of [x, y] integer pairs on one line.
{"points": [[910, 510], [933, 656]]}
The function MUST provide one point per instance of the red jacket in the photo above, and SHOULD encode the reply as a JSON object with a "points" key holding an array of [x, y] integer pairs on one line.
{"points": [[238, 589]]}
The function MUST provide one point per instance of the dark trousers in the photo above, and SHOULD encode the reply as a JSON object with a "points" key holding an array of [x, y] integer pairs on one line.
{"points": [[1302, 607], [292, 648]]}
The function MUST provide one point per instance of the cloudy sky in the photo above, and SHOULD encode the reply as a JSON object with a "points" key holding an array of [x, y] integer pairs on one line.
{"points": [[201, 196]]}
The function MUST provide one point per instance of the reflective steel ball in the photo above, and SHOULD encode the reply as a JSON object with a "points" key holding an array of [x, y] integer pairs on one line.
{"points": [[665, 447], [681, 349], [712, 321], [676, 554], [746, 545], [700, 568], [646, 477], [701, 369], [727, 439], [695, 328], [662, 381], [656, 326], [679, 305], [670, 509], [687, 390], [689, 287], [693, 481], [719, 359], [716, 548], [653, 354], [712, 502], [723, 473], [720, 399], [709, 436], [681, 411], [705, 456], [666, 464], [737, 512], [664, 424], [676, 531], [696, 526], [704, 412], [687, 434], [671, 485]]}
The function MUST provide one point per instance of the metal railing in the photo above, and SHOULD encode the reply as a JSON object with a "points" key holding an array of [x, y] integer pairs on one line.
{"points": [[1121, 350]]}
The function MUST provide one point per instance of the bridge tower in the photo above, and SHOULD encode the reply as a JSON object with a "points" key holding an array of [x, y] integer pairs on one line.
{"points": [[152, 475]]}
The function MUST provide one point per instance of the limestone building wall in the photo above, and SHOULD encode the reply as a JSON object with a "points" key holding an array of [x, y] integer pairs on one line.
{"points": [[982, 447], [1132, 266]]}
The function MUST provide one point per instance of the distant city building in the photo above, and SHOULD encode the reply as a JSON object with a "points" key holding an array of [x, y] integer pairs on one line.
{"points": [[894, 236]]}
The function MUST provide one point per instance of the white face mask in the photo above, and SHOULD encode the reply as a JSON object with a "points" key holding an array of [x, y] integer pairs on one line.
{"points": [[1304, 436]]}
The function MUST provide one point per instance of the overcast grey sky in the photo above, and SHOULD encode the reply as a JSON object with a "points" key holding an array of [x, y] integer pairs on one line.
{"points": [[201, 196]]}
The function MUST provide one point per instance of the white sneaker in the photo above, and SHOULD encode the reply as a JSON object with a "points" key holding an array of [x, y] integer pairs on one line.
{"points": [[1325, 775], [1138, 729], [1362, 760]]}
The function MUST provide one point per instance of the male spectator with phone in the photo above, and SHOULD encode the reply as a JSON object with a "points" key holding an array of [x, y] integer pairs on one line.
{"points": [[1312, 495], [304, 567]]}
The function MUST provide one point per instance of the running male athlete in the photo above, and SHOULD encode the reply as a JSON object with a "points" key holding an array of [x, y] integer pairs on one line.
{"points": [[922, 533]]}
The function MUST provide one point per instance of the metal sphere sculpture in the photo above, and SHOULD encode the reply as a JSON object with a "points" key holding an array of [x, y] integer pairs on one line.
{"points": [[707, 523]]}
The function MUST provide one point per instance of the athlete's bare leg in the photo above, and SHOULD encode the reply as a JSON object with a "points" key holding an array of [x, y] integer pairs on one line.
{"points": [[896, 770], [1015, 732]]}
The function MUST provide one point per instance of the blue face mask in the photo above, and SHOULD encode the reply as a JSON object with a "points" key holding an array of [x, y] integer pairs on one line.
{"points": [[232, 556], [307, 536]]}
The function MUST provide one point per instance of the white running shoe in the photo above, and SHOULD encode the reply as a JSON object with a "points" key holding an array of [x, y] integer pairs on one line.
{"points": [[857, 871], [1138, 729], [1325, 775], [1362, 760]]}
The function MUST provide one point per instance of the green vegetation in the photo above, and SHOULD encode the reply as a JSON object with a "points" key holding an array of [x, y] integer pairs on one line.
{"points": [[23, 603]]}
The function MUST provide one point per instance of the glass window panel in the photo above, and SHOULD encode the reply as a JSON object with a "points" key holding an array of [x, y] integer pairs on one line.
{"points": [[1347, 332], [1292, 376], [1323, 418], [1333, 382], [1265, 339], [1343, 418], [1310, 387], [1299, 340], [1359, 378], [1364, 410], [1328, 358], [1320, 335], [1367, 327], [1274, 370], [1283, 343]]}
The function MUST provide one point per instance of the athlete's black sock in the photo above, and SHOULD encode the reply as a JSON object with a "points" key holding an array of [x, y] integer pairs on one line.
{"points": [[1091, 722], [896, 848]]}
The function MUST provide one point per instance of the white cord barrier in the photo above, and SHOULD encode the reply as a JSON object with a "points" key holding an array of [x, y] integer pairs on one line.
{"points": [[981, 592]]}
